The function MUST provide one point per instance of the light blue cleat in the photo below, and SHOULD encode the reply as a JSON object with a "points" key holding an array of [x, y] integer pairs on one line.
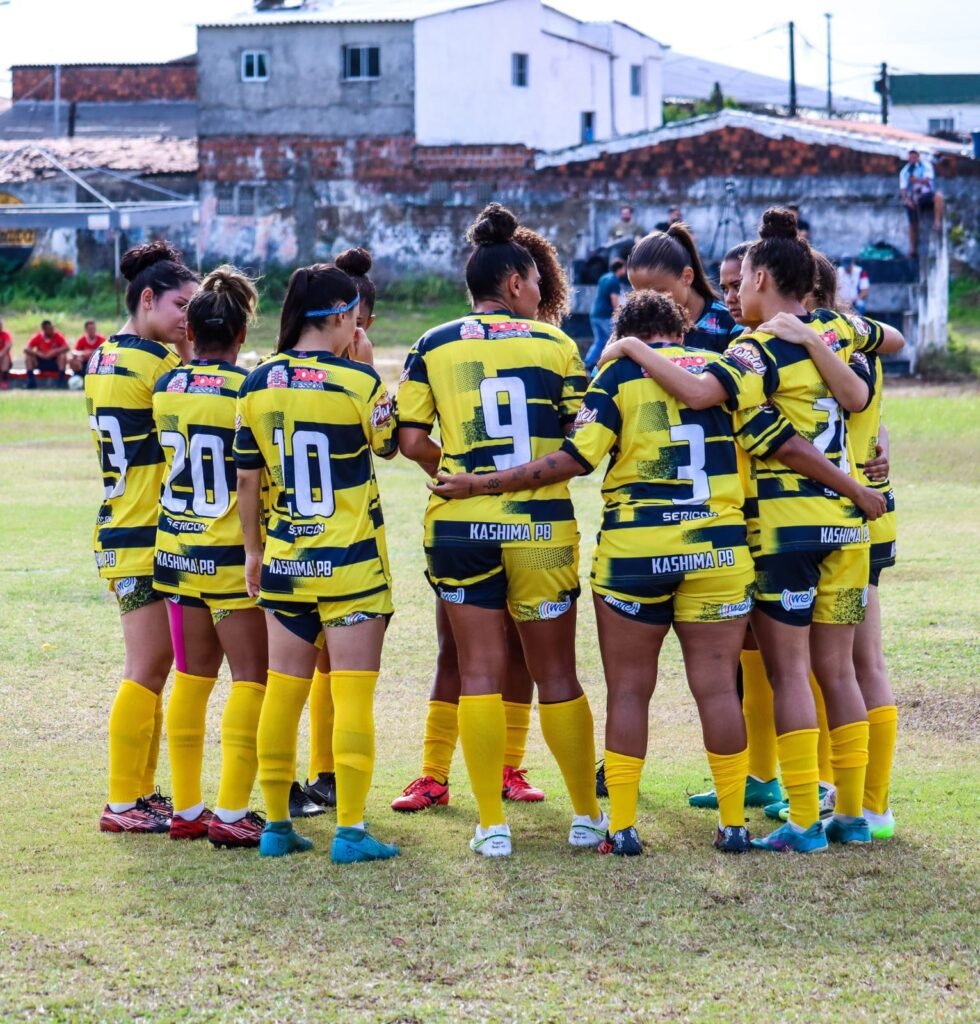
{"points": [[279, 839], [786, 837], [846, 832], [352, 845]]}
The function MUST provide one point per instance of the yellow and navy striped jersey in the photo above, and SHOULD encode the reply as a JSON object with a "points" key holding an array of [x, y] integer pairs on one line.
{"points": [[119, 396], [671, 467], [863, 427], [503, 390], [312, 420], [713, 328], [796, 513], [200, 550]]}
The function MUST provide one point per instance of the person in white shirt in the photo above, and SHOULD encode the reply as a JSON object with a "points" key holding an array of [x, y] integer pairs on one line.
{"points": [[917, 185], [852, 285]]}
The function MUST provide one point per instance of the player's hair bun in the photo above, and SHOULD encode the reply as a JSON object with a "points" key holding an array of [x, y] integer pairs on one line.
{"points": [[355, 262], [778, 222], [136, 260], [495, 224]]}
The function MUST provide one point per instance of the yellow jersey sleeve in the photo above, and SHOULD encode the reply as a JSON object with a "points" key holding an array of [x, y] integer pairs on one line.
{"points": [[598, 422], [747, 372], [416, 402], [379, 421], [574, 384]]}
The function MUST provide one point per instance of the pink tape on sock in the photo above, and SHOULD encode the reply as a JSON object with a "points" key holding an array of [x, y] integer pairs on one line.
{"points": [[175, 613]]}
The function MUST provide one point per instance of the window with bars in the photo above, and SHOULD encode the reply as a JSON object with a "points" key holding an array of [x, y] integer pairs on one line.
{"points": [[361, 63], [255, 66], [518, 70], [941, 124]]}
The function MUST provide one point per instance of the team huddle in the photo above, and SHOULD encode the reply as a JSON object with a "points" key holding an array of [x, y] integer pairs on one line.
{"points": [[745, 503]]}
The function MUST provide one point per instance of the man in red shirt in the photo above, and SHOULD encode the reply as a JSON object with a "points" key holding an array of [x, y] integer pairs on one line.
{"points": [[6, 346], [84, 348], [47, 351]]}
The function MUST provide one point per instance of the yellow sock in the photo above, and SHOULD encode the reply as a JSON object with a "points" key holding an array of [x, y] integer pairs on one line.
{"points": [[186, 712], [275, 740], [321, 725], [353, 741], [482, 733], [130, 733], [798, 766], [623, 782], [149, 784], [570, 734], [439, 741], [849, 756], [824, 765], [518, 718], [239, 724], [728, 772], [760, 720], [883, 733]]}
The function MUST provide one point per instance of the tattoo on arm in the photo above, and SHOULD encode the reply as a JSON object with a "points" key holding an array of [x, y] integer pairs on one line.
{"points": [[536, 474], [493, 484]]}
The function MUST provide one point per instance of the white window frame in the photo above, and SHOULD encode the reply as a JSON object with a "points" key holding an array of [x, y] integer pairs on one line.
{"points": [[520, 67], [256, 56], [941, 124], [365, 49]]}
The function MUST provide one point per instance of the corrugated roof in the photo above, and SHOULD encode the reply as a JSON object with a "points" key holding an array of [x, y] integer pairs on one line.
{"points": [[863, 136], [911, 89], [693, 78], [346, 12], [33, 119], [20, 161]]}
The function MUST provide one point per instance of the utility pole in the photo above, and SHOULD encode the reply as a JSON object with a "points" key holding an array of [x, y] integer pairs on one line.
{"points": [[881, 87], [792, 72], [830, 95], [57, 100]]}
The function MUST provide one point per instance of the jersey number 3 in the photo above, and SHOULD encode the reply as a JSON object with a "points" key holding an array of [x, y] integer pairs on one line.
{"points": [[693, 435], [517, 430]]}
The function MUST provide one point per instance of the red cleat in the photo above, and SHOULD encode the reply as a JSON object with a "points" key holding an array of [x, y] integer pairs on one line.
{"points": [[141, 818], [422, 793], [518, 789], [244, 833], [160, 804], [196, 828]]}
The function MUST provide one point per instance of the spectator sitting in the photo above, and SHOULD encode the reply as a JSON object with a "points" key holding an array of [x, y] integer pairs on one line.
{"points": [[852, 285], [608, 290], [84, 348], [47, 351], [6, 346], [802, 224], [674, 216], [626, 227], [917, 186]]}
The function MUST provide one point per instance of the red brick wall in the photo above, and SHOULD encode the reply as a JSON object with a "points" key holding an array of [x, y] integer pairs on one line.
{"points": [[107, 83], [394, 161]]}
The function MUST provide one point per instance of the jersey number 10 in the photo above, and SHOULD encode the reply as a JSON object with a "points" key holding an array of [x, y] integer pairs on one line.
{"points": [[310, 458]]}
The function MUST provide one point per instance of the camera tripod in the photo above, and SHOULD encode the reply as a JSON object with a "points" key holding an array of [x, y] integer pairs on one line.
{"points": [[729, 217]]}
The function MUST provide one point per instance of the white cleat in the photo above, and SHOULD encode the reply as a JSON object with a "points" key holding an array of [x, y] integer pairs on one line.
{"points": [[586, 831], [492, 842]]}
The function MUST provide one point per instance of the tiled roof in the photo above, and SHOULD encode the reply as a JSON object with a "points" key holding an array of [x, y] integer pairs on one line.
{"points": [[22, 162]]}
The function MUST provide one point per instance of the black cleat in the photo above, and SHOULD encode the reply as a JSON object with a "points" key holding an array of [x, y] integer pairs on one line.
{"points": [[300, 805], [323, 789], [600, 779], [733, 839], [624, 843]]}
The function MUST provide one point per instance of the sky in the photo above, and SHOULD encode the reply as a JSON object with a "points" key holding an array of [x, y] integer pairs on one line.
{"points": [[916, 37]]}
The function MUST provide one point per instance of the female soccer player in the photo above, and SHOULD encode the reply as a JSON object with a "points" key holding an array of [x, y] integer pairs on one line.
{"points": [[504, 388], [119, 398], [668, 261], [312, 417], [813, 563], [730, 279], [200, 565], [431, 788]]}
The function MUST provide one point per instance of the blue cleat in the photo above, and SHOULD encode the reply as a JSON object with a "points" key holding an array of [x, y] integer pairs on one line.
{"points": [[786, 837], [776, 810], [352, 845], [279, 839], [856, 830], [758, 793], [732, 839], [624, 843]]}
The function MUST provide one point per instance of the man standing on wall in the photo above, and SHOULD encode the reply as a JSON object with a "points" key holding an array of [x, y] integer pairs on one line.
{"points": [[917, 185]]}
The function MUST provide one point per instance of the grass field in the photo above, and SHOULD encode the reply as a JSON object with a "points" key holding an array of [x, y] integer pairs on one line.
{"points": [[102, 928]]}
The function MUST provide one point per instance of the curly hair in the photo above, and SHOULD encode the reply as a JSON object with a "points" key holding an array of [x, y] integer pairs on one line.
{"points": [[650, 314], [555, 302]]}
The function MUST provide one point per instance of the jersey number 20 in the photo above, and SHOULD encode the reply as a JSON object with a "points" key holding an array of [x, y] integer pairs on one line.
{"points": [[201, 445]]}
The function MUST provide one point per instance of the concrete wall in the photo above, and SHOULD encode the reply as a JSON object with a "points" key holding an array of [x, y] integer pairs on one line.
{"points": [[915, 118], [305, 93]]}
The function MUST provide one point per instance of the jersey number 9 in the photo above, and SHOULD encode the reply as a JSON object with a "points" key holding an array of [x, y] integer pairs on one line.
{"points": [[310, 459], [517, 431]]}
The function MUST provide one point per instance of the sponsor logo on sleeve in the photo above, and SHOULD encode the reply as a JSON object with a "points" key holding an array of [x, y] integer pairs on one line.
{"points": [[861, 359], [404, 376], [381, 414], [859, 324], [585, 415], [748, 358], [470, 330]]}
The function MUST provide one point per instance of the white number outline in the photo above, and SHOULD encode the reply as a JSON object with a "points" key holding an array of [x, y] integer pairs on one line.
{"points": [[693, 436], [518, 431], [302, 503], [200, 505], [115, 457], [826, 436]]}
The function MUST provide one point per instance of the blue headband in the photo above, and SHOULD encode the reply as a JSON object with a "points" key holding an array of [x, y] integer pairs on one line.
{"points": [[335, 311]]}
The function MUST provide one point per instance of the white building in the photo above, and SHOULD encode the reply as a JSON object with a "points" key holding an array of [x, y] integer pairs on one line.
{"points": [[448, 72], [935, 103]]}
